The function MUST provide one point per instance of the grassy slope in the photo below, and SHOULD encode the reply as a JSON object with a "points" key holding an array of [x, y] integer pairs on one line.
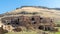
{"points": [[32, 32]]}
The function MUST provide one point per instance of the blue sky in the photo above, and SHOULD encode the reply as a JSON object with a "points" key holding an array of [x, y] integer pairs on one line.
{"points": [[9, 5]]}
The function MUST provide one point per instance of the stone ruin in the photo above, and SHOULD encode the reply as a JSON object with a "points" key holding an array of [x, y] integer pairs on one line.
{"points": [[30, 22]]}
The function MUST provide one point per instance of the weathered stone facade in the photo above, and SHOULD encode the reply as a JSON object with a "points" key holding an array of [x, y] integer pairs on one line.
{"points": [[35, 22]]}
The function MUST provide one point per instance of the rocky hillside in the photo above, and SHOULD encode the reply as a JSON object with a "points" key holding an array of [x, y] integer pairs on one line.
{"points": [[35, 10]]}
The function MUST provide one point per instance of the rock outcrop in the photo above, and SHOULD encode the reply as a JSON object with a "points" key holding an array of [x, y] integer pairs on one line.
{"points": [[30, 22]]}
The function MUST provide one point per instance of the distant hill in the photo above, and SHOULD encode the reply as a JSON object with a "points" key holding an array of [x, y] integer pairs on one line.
{"points": [[39, 10], [35, 10]]}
